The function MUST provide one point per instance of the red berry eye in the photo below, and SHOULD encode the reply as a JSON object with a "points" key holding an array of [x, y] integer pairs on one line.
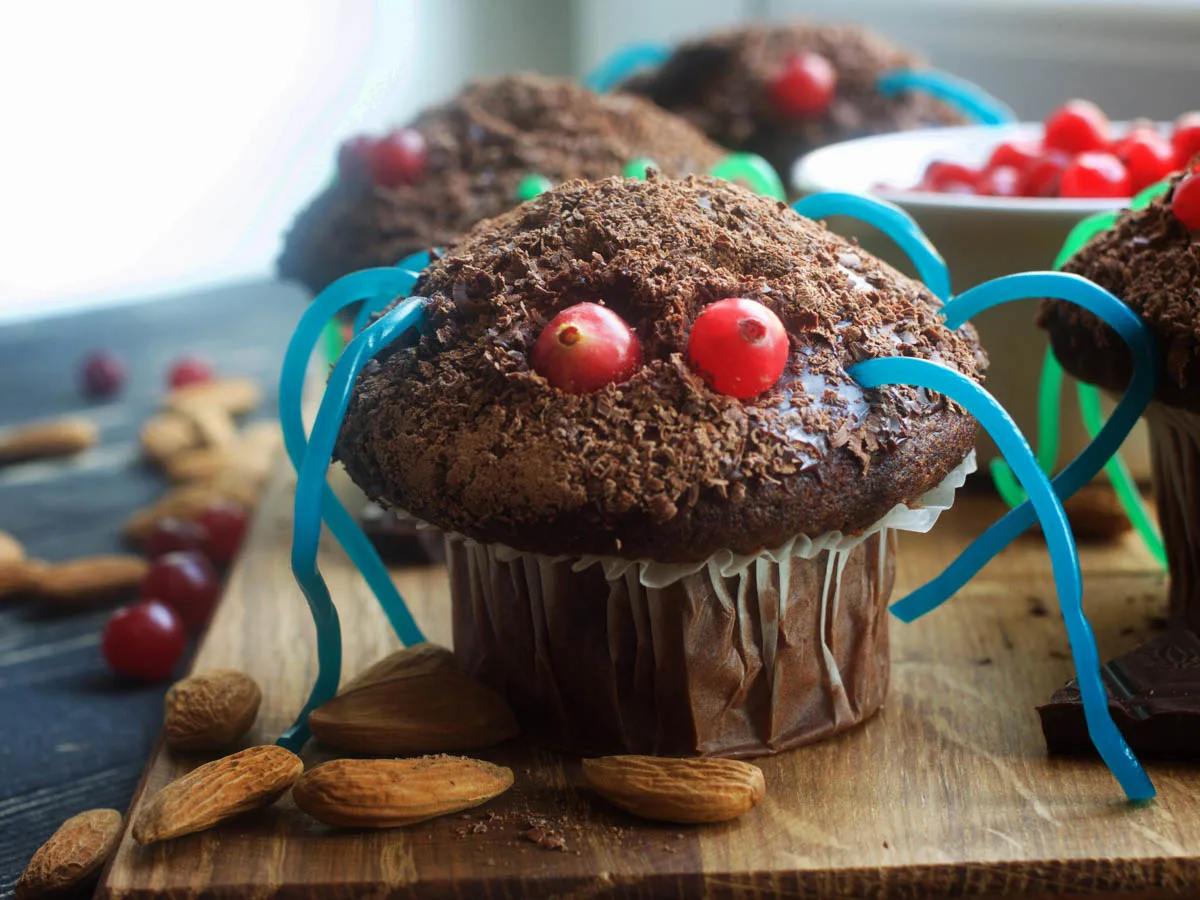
{"points": [[805, 86], [1185, 203], [398, 158], [738, 346], [584, 348]]}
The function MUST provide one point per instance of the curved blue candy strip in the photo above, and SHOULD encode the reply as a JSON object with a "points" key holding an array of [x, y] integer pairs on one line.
{"points": [[892, 221], [968, 98], [410, 268], [360, 286], [1085, 466], [624, 63], [310, 494], [1063, 557]]}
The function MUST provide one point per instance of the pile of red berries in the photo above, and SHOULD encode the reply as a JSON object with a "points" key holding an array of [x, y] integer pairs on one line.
{"points": [[1078, 156]]}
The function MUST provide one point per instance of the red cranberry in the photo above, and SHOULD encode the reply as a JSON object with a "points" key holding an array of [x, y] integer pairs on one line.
{"points": [[1043, 176], [738, 346], [949, 178], [1185, 138], [805, 87], [1148, 156], [189, 370], [585, 347], [1015, 154], [186, 582], [225, 523], [170, 535], [143, 641], [1095, 175], [103, 375], [353, 156], [1185, 202], [1078, 126], [398, 158], [1001, 181]]}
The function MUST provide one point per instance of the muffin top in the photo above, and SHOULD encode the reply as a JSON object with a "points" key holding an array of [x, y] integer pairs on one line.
{"points": [[1151, 262], [458, 429], [722, 84], [479, 146]]}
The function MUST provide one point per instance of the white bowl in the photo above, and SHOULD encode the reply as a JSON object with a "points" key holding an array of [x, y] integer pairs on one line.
{"points": [[981, 238]]}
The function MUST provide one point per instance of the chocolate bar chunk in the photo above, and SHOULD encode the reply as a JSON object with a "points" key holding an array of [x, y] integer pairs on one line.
{"points": [[1154, 696], [400, 542]]}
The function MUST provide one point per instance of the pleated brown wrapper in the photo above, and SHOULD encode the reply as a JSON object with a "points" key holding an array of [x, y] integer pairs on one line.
{"points": [[786, 654]]}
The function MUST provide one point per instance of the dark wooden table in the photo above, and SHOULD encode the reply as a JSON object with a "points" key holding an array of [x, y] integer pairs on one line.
{"points": [[73, 737]]}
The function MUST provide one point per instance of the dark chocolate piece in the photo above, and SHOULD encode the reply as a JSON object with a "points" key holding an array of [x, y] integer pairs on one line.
{"points": [[400, 542], [1154, 695]]}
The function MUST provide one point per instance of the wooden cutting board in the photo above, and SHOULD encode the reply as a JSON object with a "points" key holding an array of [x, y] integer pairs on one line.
{"points": [[947, 793]]}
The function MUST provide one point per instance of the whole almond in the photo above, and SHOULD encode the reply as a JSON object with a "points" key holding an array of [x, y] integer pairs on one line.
{"points": [[167, 434], [210, 711], [236, 396], [90, 578], [414, 701], [1096, 514], [198, 463], [386, 793], [216, 791], [20, 578], [11, 550], [677, 790], [214, 424], [73, 855], [58, 437]]}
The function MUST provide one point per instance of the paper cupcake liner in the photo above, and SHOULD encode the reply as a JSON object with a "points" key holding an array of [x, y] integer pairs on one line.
{"points": [[734, 656], [1175, 453]]}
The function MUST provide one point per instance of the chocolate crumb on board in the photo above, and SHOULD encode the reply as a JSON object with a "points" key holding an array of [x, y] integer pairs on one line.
{"points": [[1158, 623], [1059, 654], [1037, 607], [984, 661]]}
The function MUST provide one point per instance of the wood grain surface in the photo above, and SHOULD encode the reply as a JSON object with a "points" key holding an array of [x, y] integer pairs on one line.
{"points": [[947, 793]]}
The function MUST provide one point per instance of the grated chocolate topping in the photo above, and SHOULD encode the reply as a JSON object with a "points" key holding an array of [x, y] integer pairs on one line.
{"points": [[1151, 262], [459, 430], [479, 146], [722, 84]]}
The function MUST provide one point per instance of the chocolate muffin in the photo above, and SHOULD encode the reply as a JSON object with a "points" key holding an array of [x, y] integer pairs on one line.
{"points": [[1151, 261], [477, 148], [655, 565], [726, 85]]}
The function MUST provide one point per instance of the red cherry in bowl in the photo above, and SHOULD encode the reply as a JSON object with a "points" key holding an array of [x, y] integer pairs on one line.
{"points": [[738, 346], [185, 581], [1042, 177], [1095, 175], [1185, 138], [805, 87], [1147, 155], [1185, 202], [1078, 126], [398, 158], [170, 535], [103, 375], [144, 641], [586, 347]]}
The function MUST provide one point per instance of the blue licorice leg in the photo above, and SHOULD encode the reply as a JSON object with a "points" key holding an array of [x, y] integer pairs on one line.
{"points": [[310, 491], [1063, 557], [360, 286], [624, 63], [410, 269], [892, 221], [965, 96], [1085, 466]]}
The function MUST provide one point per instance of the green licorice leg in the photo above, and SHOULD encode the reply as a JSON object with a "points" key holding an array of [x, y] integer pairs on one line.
{"points": [[1049, 400], [331, 340], [1118, 475]]}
